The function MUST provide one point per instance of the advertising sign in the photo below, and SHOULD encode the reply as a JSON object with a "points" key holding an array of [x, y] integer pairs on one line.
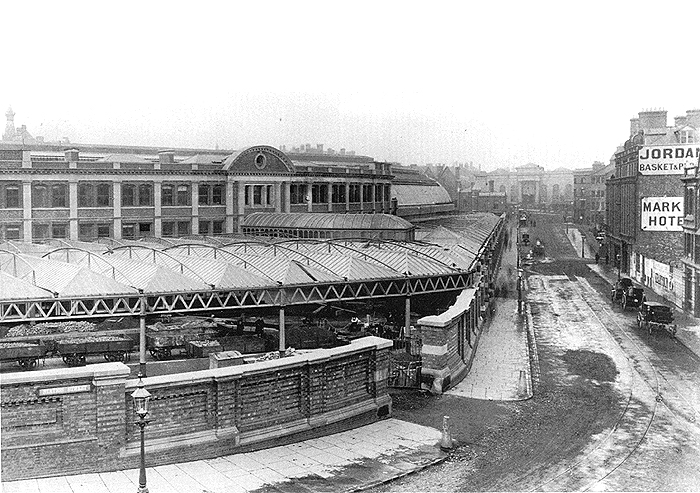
{"points": [[667, 159], [662, 214]]}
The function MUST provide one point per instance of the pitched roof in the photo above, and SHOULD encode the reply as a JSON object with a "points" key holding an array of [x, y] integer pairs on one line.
{"points": [[326, 221]]}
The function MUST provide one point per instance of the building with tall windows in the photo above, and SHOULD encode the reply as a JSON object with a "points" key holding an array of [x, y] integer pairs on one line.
{"points": [[645, 202], [86, 192], [90, 191]]}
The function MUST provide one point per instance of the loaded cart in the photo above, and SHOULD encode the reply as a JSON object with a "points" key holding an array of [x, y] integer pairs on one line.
{"points": [[201, 349], [74, 351], [162, 344], [26, 354]]}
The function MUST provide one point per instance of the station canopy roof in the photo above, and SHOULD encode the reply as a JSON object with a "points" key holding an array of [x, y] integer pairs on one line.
{"points": [[64, 268], [328, 221], [411, 194]]}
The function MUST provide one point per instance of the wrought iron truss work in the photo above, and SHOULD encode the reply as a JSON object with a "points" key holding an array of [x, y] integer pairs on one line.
{"points": [[214, 300], [445, 269]]}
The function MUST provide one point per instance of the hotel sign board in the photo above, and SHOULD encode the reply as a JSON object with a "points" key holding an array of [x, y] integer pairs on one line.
{"points": [[668, 159], [662, 214]]}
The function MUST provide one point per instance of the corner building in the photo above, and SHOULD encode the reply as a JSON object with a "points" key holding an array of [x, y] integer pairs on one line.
{"points": [[645, 204]]}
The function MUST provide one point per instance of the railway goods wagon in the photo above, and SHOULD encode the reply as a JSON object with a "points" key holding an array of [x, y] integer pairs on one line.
{"points": [[74, 351], [26, 354]]}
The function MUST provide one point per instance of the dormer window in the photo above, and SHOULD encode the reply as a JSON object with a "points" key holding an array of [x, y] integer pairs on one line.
{"points": [[687, 136]]}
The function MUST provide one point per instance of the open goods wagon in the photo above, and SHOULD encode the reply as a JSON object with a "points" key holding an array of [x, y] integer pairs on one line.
{"points": [[74, 351], [162, 341], [26, 354]]}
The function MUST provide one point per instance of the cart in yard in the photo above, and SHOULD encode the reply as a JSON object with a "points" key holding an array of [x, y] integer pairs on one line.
{"points": [[656, 316]]}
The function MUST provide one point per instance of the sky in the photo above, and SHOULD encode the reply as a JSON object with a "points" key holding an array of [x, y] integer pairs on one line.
{"points": [[498, 84]]}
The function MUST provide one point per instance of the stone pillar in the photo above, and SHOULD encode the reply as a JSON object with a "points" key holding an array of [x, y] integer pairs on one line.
{"points": [[230, 206], [407, 317], [309, 196], [26, 159], [117, 203], [347, 197], [73, 214], [27, 210], [277, 188], [282, 331], [109, 380], [241, 206], [195, 207], [286, 206], [158, 208]]}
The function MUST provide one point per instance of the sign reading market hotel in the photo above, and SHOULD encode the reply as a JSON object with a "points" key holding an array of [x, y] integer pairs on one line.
{"points": [[667, 159], [662, 214]]}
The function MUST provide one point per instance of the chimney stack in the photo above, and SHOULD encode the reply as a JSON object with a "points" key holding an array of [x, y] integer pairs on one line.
{"points": [[71, 155], [692, 118], [634, 126], [166, 157], [652, 119], [319, 148]]}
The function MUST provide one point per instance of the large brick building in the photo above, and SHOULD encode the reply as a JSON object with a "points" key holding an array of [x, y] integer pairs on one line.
{"points": [[645, 201], [87, 191]]}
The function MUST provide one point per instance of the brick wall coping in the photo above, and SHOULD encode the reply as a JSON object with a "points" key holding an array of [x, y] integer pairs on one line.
{"points": [[98, 371], [238, 371], [446, 318]]}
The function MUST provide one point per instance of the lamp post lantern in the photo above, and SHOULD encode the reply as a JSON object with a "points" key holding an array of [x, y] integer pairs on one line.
{"points": [[619, 265], [141, 396]]}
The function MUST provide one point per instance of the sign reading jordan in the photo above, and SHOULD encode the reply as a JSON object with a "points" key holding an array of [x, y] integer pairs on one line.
{"points": [[662, 214], [667, 159]]}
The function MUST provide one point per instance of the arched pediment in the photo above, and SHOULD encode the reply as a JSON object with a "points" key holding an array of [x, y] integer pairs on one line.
{"points": [[259, 159]]}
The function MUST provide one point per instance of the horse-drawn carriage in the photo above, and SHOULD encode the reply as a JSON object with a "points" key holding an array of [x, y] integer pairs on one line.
{"points": [[656, 316], [626, 294]]}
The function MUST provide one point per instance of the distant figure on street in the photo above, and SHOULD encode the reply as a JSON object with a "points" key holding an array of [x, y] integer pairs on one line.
{"points": [[259, 326], [607, 259], [597, 257]]}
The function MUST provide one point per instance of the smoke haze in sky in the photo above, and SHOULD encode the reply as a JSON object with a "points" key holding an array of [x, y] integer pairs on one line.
{"points": [[500, 84]]}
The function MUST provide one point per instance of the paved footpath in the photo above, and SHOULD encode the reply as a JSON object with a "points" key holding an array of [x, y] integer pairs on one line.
{"points": [[348, 461], [501, 366]]}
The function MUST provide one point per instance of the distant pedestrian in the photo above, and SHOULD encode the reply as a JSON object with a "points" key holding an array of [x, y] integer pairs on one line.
{"points": [[260, 326], [607, 259], [597, 257]]}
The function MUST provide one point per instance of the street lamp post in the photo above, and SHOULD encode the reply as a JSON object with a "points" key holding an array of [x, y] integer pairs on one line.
{"points": [[141, 396], [583, 242], [619, 265]]}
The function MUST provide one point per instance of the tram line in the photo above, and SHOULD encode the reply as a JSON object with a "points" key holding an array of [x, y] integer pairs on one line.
{"points": [[575, 469], [651, 376]]}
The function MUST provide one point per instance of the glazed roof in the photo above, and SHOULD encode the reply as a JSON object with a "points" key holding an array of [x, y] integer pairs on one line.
{"points": [[326, 221], [69, 269]]}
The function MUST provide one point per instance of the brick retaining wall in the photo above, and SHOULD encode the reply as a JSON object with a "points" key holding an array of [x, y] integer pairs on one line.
{"points": [[449, 340], [78, 420]]}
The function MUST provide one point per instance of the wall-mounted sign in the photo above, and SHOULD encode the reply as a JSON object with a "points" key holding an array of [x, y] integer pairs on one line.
{"points": [[662, 214], [70, 389], [667, 159]]}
